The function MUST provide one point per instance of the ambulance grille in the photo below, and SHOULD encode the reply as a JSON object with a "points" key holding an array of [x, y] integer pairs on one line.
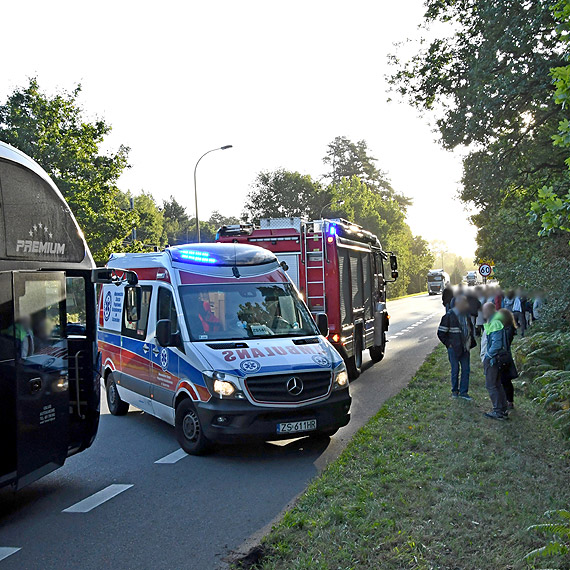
{"points": [[273, 388]]}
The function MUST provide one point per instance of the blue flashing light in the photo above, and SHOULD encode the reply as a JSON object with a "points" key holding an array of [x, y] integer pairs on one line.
{"points": [[197, 257], [332, 230]]}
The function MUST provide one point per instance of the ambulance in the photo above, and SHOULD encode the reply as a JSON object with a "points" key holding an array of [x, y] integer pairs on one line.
{"points": [[216, 340]]}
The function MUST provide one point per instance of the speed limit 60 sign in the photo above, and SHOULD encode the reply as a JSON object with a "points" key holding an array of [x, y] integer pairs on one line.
{"points": [[485, 270]]}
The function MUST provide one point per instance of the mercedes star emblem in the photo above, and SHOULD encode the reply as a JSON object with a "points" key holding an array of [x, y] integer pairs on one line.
{"points": [[294, 386]]}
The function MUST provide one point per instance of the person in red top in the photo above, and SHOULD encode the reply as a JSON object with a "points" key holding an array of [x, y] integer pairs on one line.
{"points": [[210, 323], [499, 299]]}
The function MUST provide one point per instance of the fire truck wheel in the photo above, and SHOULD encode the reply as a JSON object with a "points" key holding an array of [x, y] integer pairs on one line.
{"points": [[116, 406], [189, 432], [377, 352], [355, 362]]}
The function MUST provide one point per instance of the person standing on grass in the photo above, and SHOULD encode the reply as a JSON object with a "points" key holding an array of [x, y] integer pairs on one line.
{"points": [[518, 311], [474, 306], [499, 297], [487, 314], [456, 333], [446, 296], [495, 346], [508, 301], [508, 374], [537, 306]]}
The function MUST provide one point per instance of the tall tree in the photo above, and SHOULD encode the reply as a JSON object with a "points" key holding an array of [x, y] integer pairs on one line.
{"points": [[422, 260], [283, 193], [150, 221], [54, 131], [488, 83], [346, 159]]}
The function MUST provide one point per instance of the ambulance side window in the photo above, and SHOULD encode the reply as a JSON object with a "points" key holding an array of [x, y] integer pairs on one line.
{"points": [[138, 329], [166, 309]]}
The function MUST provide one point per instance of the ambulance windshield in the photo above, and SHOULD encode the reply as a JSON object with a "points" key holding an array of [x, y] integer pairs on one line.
{"points": [[245, 310]]}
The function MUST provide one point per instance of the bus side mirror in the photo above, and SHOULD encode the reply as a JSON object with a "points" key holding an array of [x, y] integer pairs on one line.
{"points": [[133, 299], [163, 334], [322, 321], [395, 274]]}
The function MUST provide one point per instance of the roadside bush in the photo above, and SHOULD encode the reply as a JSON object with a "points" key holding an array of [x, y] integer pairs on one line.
{"points": [[543, 360]]}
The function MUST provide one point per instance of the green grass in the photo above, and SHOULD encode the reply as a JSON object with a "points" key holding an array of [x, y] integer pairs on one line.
{"points": [[406, 296], [429, 483]]}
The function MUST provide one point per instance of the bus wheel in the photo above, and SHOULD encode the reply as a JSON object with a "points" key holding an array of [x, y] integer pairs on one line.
{"points": [[116, 406], [188, 428]]}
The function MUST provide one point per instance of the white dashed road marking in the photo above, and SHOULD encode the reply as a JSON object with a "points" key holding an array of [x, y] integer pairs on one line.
{"points": [[173, 457], [6, 551], [97, 499]]}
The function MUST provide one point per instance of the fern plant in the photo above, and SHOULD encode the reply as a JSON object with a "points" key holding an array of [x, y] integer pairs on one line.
{"points": [[559, 533]]}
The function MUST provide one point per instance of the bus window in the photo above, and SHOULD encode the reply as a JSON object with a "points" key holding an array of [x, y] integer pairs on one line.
{"points": [[367, 290], [137, 329], [345, 295], [39, 305], [76, 311]]}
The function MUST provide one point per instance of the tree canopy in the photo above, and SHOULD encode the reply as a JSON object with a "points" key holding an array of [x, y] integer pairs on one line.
{"points": [[354, 188], [57, 134], [486, 79]]}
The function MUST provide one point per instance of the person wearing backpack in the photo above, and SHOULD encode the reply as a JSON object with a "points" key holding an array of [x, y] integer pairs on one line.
{"points": [[493, 362], [509, 373]]}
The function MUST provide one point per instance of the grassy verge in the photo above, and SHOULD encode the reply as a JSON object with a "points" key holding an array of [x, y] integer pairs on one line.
{"points": [[406, 296], [430, 483]]}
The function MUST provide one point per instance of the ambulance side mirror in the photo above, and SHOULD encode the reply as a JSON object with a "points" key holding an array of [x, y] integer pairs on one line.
{"points": [[133, 300], [322, 321], [163, 334]]}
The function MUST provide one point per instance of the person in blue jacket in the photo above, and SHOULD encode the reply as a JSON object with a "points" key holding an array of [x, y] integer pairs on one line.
{"points": [[496, 344]]}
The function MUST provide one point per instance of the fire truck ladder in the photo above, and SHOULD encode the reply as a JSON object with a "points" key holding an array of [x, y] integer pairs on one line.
{"points": [[314, 243]]}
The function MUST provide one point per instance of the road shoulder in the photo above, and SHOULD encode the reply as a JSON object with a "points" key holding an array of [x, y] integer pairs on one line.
{"points": [[428, 482]]}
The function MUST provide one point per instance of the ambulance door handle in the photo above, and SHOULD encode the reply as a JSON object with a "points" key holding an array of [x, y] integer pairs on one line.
{"points": [[146, 348]]}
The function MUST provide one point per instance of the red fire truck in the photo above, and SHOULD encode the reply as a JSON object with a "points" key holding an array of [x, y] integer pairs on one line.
{"points": [[339, 268]]}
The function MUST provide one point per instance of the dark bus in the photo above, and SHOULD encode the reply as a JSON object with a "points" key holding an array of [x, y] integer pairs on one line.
{"points": [[49, 369]]}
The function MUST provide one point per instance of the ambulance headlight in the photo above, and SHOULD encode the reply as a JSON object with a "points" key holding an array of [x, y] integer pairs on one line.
{"points": [[222, 385], [340, 377], [223, 388]]}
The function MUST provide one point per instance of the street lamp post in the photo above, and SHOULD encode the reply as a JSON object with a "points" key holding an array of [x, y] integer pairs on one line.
{"points": [[225, 147], [338, 202]]}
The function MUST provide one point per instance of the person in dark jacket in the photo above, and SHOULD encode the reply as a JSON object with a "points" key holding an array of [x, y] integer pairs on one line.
{"points": [[446, 296], [456, 333], [510, 328]]}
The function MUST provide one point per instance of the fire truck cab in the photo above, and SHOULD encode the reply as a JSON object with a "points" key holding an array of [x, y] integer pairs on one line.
{"points": [[339, 268], [220, 345]]}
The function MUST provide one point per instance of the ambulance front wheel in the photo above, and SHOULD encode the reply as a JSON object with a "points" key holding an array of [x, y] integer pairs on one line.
{"points": [[116, 406], [189, 432]]}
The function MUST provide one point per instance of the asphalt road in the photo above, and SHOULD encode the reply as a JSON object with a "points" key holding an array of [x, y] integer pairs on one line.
{"points": [[113, 506]]}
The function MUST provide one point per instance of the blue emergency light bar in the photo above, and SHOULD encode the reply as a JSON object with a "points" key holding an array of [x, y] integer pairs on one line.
{"points": [[332, 230], [195, 256]]}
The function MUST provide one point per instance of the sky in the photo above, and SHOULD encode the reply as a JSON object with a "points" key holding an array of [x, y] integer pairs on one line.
{"points": [[277, 80]]}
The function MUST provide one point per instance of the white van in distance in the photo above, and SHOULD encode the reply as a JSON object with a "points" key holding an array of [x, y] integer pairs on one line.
{"points": [[223, 347]]}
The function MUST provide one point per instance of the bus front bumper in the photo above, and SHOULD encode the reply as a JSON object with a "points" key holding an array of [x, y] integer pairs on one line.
{"points": [[233, 421]]}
